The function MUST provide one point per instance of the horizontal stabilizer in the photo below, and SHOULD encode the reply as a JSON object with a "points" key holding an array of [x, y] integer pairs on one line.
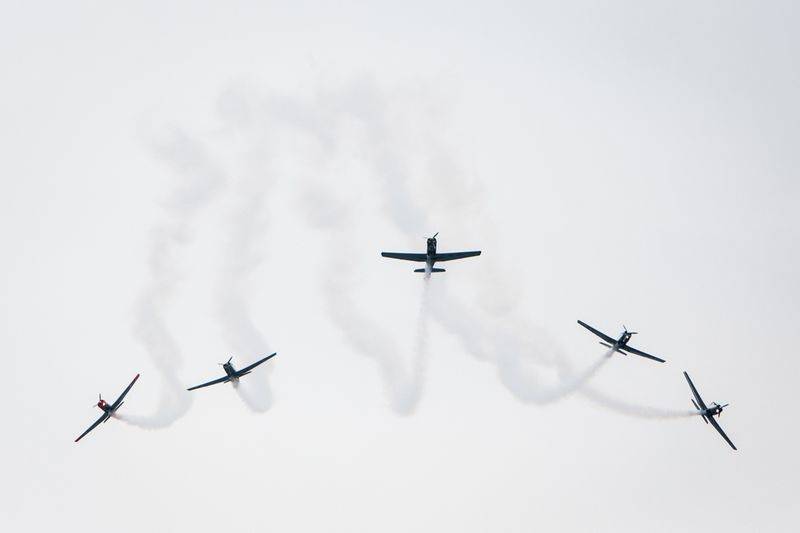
{"points": [[700, 411], [120, 405], [615, 349], [432, 270]]}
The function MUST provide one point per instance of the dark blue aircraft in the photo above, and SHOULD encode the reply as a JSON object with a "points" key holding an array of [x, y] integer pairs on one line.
{"points": [[707, 413], [108, 409], [231, 374], [431, 257], [621, 344]]}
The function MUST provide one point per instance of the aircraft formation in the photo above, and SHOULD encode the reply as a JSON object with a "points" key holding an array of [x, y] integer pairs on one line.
{"points": [[430, 258]]}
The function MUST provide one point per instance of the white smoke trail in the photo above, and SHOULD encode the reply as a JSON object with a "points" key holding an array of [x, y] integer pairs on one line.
{"points": [[368, 336], [244, 244], [316, 123], [530, 388], [240, 259], [140, 421], [421, 343], [634, 410], [199, 180], [519, 357], [532, 371]]}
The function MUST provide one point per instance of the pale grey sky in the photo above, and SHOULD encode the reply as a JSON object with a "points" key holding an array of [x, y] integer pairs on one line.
{"points": [[188, 182]]}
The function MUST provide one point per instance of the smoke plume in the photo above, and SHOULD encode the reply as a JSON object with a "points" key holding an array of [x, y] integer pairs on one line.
{"points": [[198, 179], [244, 253], [326, 126], [634, 410]]}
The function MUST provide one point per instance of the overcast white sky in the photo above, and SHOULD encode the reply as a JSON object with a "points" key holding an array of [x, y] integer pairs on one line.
{"points": [[188, 182]]}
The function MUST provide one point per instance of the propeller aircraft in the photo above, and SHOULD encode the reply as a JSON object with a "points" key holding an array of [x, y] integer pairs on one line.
{"points": [[231, 374], [708, 412], [431, 257], [108, 409], [621, 344]]}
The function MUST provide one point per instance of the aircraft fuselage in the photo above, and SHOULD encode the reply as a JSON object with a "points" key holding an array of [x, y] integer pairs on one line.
{"points": [[431, 254], [106, 408], [623, 339], [230, 370]]}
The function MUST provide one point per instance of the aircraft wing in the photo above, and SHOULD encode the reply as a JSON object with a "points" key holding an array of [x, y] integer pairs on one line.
{"points": [[251, 367], [406, 257], [598, 333], [719, 430], [449, 256], [223, 379], [627, 348], [696, 394], [121, 396], [103, 417]]}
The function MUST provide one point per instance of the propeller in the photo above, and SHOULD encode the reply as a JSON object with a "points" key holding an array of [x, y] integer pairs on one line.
{"points": [[629, 332], [434, 235], [226, 363]]}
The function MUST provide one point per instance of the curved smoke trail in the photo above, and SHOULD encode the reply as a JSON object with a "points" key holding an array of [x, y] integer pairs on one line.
{"points": [[519, 358], [629, 409], [366, 335], [244, 248], [240, 260], [199, 179], [530, 369], [517, 353], [316, 123]]}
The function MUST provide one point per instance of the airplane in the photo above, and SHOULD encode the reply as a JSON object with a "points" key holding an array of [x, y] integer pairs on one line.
{"points": [[708, 412], [108, 410], [621, 344], [430, 257], [231, 374]]}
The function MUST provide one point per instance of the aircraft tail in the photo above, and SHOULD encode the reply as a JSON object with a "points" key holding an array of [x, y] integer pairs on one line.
{"points": [[432, 270], [615, 349], [700, 411]]}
